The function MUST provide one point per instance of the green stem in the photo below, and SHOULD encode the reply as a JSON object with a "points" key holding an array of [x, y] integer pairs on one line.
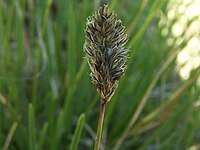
{"points": [[100, 125]]}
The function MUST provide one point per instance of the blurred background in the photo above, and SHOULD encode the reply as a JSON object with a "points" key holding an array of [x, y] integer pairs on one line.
{"points": [[45, 84]]}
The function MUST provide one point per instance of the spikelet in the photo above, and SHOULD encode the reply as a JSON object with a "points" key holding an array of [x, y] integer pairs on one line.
{"points": [[106, 52]]}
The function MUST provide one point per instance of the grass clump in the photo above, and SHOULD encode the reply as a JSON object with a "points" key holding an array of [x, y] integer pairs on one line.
{"points": [[44, 84]]}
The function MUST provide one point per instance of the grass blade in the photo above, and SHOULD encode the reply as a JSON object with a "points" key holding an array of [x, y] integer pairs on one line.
{"points": [[32, 134], [10, 135], [42, 136], [58, 132], [77, 133]]}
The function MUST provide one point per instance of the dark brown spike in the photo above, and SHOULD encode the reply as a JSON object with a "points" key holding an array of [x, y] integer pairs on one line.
{"points": [[104, 47]]}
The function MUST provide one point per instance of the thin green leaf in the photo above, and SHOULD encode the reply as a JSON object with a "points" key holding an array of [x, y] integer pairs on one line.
{"points": [[77, 134]]}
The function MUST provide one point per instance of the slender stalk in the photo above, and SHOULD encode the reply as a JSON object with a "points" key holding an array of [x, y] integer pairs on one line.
{"points": [[100, 126], [106, 55]]}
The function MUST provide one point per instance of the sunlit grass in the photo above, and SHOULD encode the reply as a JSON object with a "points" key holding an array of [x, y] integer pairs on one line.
{"points": [[189, 57]]}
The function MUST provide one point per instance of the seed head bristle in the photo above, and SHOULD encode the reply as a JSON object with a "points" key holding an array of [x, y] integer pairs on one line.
{"points": [[106, 52]]}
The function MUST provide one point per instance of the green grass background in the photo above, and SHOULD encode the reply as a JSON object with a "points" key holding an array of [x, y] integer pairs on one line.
{"points": [[45, 84]]}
